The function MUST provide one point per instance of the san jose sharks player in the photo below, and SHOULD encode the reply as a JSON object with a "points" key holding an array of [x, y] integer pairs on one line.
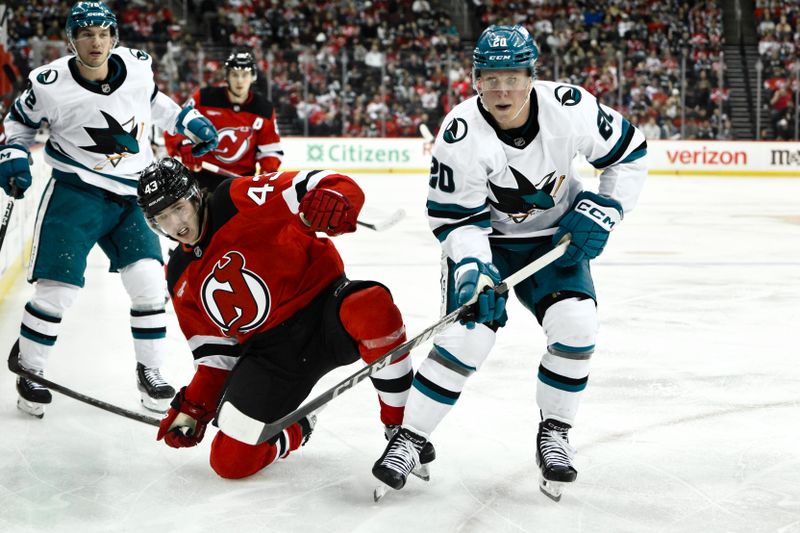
{"points": [[99, 104], [503, 190]]}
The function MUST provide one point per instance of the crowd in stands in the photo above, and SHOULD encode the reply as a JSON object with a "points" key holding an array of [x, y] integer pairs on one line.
{"points": [[383, 67], [778, 47]]}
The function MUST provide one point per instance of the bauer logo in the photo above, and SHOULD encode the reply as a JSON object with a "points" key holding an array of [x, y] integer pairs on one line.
{"points": [[47, 77], [455, 131], [568, 96], [236, 299]]}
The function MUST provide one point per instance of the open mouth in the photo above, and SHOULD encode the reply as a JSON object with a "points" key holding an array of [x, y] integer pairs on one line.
{"points": [[503, 107], [184, 231]]}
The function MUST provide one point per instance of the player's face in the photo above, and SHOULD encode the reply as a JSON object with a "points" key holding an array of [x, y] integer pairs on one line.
{"points": [[180, 221], [93, 45], [504, 94], [239, 81]]}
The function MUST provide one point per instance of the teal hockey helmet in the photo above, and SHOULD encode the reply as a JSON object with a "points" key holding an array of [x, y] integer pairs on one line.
{"points": [[504, 48], [86, 14]]}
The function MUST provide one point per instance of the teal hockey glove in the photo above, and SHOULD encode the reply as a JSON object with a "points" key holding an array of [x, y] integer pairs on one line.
{"points": [[198, 129], [15, 169], [590, 220], [474, 277]]}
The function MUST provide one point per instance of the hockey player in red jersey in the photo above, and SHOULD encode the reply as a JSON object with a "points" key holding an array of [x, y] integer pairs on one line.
{"points": [[245, 120], [265, 304]]}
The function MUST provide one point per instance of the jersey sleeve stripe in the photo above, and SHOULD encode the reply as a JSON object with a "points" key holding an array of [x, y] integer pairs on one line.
{"points": [[481, 220], [155, 93], [271, 148], [640, 151], [619, 149], [19, 115]]}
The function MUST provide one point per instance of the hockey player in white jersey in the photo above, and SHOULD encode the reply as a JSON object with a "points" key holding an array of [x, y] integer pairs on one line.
{"points": [[503, 191], [99, 104]]}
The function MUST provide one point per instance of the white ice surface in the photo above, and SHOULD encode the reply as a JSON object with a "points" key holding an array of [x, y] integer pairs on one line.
{"points": [[690, 422]]}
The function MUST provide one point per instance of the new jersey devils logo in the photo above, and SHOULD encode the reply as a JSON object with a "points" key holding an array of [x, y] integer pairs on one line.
{"points": [[233, 143], [235, 298]]}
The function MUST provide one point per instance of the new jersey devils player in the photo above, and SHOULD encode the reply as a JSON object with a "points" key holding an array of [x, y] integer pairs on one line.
{"points": [[245, 120], [265, 304]]}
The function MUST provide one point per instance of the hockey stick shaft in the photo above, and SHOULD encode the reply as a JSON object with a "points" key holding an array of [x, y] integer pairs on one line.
{"points": [[14, 366], [7, 216], [268, 430]]}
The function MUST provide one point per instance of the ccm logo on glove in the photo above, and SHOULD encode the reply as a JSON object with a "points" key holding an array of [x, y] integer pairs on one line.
{"points": [[604, 216]]}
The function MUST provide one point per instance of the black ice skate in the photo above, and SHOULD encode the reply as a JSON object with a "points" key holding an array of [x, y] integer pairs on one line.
{"points": [[426, 455], [554, 458], [156, 392], [401, 456], [32, 396]]}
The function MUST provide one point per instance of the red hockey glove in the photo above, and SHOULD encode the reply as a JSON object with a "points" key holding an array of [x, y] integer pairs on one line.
{"points": [[328, 211], [185, 423], [189, 160]]}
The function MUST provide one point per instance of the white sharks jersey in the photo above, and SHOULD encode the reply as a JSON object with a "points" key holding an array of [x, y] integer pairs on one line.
{"points": [[98, 130], [489, 185]]}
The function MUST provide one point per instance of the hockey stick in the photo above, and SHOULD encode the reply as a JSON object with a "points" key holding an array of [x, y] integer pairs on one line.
{"points": [[7, 215], [251, 431], [381, 225], [14, 366], [425, 131]]}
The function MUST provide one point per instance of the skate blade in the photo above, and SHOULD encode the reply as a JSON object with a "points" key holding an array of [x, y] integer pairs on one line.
{"points": [[552, 489], [422, 472], [379, 492], [154, 404], [31, 408]]}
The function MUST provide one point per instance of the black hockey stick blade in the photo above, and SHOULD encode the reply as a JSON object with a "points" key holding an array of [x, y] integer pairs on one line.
{"points": [[251, 431], [7, 216], [14, 366], [386, 223]]}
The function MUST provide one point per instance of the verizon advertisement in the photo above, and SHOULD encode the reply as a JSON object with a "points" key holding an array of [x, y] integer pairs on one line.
{"points": [[724, 158]]}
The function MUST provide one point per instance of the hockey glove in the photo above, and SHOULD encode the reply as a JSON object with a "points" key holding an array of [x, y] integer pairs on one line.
{"points": [[590, 220], [328, 211], [15, 169], [187, 157], [475, 281], [185, 423], [198, 129]]}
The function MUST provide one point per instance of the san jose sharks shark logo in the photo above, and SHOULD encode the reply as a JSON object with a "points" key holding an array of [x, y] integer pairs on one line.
{"points": [[526, 198], [115, 141]]}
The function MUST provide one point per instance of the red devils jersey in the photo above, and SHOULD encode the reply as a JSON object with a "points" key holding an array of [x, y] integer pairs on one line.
{"points": [[247, 132], [256, 264]]}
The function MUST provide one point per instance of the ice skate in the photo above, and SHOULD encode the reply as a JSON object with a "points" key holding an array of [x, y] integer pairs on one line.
{"points": [[156, 392], [554, 458], [426, 456], [32, 396], [401, 456]]}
